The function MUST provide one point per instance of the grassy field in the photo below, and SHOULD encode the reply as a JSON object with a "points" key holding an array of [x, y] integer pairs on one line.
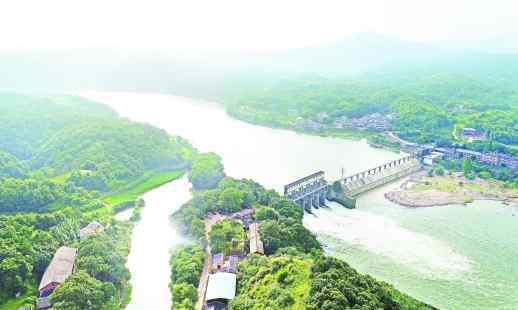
{"points": [[135, 189]]}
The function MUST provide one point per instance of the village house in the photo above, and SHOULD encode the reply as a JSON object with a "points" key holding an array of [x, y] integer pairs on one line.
{"points": [[341, 122], [474, 133], [469, 154], [59, 269], [509, 161], [374, 121], [429, 160], [308, 124], [221, 289], [90, 229], [322, 116], [490, 159], [217, 262], [256, 245], [244, 216], [448, 152]]}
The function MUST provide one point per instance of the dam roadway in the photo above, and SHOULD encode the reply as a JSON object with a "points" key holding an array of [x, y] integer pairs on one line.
{"points": [[313, 190]]}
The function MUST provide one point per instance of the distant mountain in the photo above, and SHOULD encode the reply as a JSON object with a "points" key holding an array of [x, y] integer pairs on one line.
{"points": [[212, 75]]}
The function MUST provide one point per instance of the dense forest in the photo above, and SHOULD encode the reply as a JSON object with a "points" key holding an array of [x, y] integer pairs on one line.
{"points": [[62, 160], [65, 150]]}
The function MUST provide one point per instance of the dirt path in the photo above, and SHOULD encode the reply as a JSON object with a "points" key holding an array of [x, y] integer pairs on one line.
{"points": [[204, 278]]}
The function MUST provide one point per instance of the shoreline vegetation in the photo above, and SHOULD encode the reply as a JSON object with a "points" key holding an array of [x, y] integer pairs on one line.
{"points": [[127, 196], [421, 190]]}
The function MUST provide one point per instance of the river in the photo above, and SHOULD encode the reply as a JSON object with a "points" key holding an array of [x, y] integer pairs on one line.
{"points": [[454, 257], [152, 238]]}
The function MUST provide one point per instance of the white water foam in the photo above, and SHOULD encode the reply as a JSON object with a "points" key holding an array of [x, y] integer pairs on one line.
{"points": [[382, 236]]}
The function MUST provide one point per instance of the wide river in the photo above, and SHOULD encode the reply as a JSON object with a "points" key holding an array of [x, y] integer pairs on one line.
{"points": [[455, 257]]}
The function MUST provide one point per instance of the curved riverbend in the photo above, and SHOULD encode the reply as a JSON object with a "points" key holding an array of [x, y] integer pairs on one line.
{"points": [[455, 257]]}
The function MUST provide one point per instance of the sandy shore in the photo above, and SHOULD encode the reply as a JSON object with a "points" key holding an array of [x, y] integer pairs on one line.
{"points": [[423, 191]]}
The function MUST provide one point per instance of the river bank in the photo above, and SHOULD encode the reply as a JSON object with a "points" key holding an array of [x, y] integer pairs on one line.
{"points": [[421, 190]]}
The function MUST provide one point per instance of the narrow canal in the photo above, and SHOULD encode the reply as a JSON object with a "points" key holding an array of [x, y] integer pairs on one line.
{"points": [[456, 257]]}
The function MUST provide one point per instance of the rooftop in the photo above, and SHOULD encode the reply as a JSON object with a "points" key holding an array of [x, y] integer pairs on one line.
{"points": [[90, 229], [222, 285], [256, 245], [60, 268]]}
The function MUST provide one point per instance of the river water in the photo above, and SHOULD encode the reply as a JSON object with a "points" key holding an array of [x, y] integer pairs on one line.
{"points": [[455, 257], [152, 239]]}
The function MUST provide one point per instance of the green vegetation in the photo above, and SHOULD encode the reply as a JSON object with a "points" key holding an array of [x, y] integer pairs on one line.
{"points": [[281, 282], [223, 234], [27, 244], [67, 151], [335, 285], [471, 170], [294, 275], [82, 292], [206, 171], [417, 106], [62, 160], [186, 267], [133, 191]]}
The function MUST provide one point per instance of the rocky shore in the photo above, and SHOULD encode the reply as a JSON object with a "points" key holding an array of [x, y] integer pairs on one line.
{"points": [[423, 191]]}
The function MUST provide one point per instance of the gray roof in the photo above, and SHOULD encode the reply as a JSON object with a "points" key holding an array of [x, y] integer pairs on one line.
{"points": [[222, 285], [469, 152], [60, 268], [256, 245], [90, 229]]}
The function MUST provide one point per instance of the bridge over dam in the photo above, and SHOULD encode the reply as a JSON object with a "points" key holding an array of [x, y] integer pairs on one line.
{"points": [[365, 181], [313, 190]]}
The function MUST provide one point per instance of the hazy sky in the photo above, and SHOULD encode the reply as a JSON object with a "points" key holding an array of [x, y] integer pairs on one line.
{"points": [[258, 25]]}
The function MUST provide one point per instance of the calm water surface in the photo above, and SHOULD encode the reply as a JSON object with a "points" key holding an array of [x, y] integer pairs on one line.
{"points": [[454, 257], [153, 237]]}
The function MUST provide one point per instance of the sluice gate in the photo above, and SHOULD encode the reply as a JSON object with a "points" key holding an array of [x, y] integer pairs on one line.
{"points": [[308, 192]]}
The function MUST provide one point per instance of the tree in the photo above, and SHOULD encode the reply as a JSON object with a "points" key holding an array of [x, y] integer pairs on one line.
{"points": [[439, 170], [206, 171], [231, 200], [223, 234], [14, 271], [467, 166], [82, 292], [184, 294], [266, 213]]}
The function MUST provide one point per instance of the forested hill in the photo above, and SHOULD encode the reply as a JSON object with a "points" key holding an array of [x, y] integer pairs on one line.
{"points": [[419, 105], [61, 150]]}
